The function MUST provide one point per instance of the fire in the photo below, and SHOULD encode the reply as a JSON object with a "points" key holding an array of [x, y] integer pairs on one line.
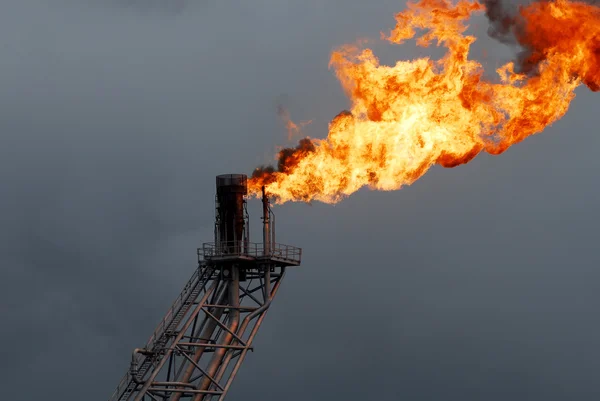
{"points": [[292, 128], [407, 117]]}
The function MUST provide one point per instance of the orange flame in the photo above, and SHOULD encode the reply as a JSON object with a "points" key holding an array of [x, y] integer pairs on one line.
{"points": [[407, 117], [292, 128]]}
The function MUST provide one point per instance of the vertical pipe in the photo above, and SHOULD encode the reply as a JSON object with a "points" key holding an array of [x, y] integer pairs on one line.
{"points": [[247, 232], [272, 228], [266, 224], [217, 234], [267, 300], [267, 243], [260, 313], [234, 320]]}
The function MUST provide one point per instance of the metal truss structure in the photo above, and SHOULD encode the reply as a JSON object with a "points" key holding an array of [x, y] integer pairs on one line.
{"points": [[199, 346]]}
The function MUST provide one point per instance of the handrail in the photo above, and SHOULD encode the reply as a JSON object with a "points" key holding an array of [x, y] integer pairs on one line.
{"points": [[160, 329], [212, 250]]}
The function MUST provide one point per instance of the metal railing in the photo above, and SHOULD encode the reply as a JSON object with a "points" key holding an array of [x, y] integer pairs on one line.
{"points": [[168, 319], [211, 250], [161, 328]]}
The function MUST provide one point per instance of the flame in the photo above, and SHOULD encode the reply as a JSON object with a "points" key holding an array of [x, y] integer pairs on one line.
{"points": [[407, 117], [292, 128]]}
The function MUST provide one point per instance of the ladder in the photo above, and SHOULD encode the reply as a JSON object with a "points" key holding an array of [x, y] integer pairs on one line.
{"points": [[165, 330]]}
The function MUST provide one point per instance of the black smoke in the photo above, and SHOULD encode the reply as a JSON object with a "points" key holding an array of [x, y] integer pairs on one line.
{"points": [[287, 160], [502, 17]]}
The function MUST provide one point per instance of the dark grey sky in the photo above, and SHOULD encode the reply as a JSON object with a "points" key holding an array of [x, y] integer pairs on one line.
{"points": [[476, 283]]}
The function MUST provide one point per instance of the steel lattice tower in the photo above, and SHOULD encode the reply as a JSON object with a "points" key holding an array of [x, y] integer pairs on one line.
{"points": [[198, 347]]}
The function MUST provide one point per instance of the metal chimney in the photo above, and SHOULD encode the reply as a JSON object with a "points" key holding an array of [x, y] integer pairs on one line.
{"points": [[231, 224]]}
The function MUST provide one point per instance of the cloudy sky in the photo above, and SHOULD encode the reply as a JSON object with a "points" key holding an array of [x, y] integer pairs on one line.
{"points": [[476, 283]]}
